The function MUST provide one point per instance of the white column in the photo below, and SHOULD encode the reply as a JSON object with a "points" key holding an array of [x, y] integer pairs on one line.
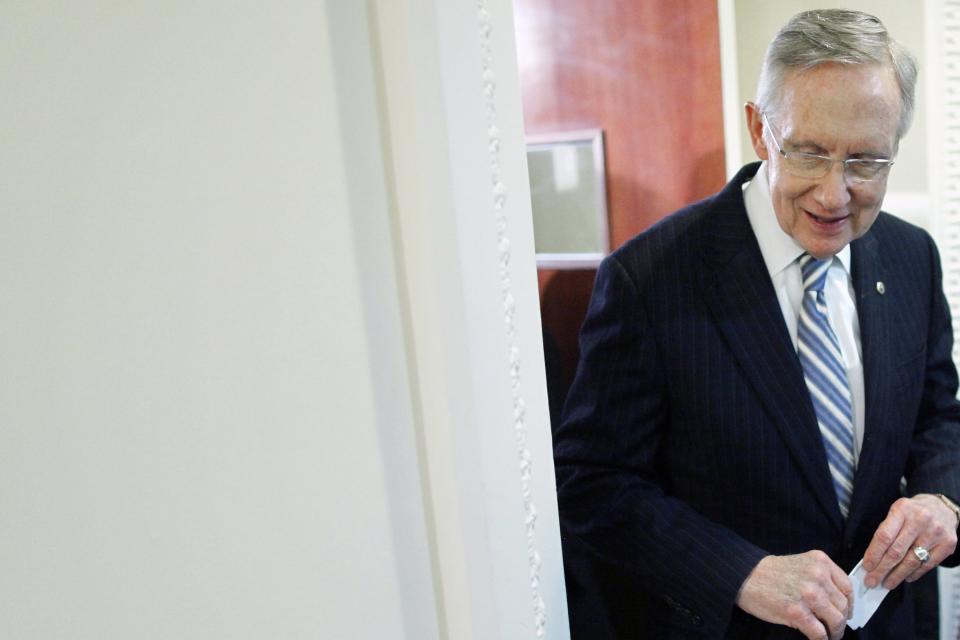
{"points": [[455, 136]]}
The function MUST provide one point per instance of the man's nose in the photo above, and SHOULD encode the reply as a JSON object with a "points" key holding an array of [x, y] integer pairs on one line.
{"points": [[833, 189]]}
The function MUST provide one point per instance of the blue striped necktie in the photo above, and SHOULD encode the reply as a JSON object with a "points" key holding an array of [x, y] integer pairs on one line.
{"points": [[826, 376]]}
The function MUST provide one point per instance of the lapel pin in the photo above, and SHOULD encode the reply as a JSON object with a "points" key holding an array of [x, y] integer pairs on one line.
{"points": [[881, 289]]}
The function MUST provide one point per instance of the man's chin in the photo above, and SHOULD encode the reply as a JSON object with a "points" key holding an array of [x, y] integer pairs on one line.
{"points": [[825, 248]]}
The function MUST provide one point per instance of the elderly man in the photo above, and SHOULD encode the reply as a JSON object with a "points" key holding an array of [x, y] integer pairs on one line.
{"points": [[759, 373]]}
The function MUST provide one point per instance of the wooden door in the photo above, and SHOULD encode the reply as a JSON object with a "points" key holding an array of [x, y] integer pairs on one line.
{"points": [[648, 74]]}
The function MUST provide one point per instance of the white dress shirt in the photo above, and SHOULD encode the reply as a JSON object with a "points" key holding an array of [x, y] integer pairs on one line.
{"points": [[780, 252]]}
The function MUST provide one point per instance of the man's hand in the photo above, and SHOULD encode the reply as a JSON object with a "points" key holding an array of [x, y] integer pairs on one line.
{"points": [[807, 592], [921, 521]]}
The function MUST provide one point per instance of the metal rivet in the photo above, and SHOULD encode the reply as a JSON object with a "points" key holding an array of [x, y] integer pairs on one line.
{"points": [[880, 288]]}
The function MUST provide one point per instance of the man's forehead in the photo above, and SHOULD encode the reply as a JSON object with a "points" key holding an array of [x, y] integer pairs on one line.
{"points": [[842, 101], [867, 85]]}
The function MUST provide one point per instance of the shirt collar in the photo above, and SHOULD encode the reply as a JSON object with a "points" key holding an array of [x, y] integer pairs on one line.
{"points": [[779, 250]]}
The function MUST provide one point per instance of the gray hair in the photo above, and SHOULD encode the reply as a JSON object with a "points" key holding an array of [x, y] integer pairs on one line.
{"points": [[842, 36]]}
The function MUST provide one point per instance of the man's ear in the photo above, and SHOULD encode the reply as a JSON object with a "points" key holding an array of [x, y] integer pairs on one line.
{"points": [[755, 127]]}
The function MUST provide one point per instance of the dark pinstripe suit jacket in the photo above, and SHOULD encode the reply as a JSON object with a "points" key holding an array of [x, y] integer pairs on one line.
{"points": [[689, 447]]}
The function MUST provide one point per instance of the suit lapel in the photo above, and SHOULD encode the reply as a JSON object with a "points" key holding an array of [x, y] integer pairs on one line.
{"points": [[867, 269], [744, 305]]}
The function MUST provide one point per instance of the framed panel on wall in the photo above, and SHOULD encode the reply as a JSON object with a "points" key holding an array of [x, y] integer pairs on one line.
{"points": [[569, 199]]}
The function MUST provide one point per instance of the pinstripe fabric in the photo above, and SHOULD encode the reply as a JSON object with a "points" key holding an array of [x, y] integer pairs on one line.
{"points": [[826, 377], [689, 448]]}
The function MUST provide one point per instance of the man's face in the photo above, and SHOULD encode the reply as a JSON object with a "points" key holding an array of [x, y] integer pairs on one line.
{"points": [[841, 111]]}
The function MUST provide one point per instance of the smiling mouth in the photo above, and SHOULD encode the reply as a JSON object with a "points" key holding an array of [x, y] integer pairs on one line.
{"points": [[827, 221]]}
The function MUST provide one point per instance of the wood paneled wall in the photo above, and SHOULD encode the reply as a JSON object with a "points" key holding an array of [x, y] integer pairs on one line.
{"points": [[648, 74]]}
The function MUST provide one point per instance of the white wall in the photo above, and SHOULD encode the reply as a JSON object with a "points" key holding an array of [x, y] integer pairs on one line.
{"points": [[190, 442], [216, 391]]}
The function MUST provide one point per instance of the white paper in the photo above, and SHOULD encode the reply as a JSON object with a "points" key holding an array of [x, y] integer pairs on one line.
{"points": [[865, 599]]}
